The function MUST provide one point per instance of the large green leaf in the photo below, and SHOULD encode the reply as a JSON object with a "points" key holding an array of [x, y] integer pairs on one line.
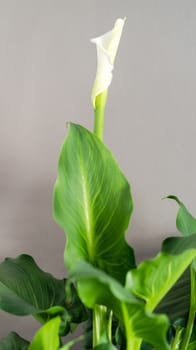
{"points": [[95, 287], [152, 279], [47, 337], [26, 289], [13, 342], [176, 302], [93, 204], [185, 222]]}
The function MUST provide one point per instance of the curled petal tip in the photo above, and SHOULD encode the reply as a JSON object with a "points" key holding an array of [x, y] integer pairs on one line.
{"points": [[107, 46]]}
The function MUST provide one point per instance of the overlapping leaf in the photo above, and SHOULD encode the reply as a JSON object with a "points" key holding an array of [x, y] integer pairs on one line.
{"points": [[13, 342], [152, 279], [93, 204], [26, 289], [176, 303], [95, 287], [185, 222], [47, 337]]}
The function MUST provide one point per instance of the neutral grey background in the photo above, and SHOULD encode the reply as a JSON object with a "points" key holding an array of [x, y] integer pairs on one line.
{"points": [[47, 68]]}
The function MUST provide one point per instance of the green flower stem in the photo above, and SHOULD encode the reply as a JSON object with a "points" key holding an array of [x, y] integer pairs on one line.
{"points": [[110, 326], [192, 311], [100, 103], [100, 325]]}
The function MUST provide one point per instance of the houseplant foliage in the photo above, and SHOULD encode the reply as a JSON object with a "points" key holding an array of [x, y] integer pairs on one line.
{"points": [[121, 305]]}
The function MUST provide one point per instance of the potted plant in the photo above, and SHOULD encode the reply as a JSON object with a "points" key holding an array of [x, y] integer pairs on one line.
{"points": [[121, 305]]}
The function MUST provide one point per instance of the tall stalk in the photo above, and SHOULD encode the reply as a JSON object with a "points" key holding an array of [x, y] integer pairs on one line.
{"points": [[102, 324], [100, 103]]}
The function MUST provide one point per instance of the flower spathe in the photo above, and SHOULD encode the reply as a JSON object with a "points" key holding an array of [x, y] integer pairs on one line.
{"points": [[107, 46]]}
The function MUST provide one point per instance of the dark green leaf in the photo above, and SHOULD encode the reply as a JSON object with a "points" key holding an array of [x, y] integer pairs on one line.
{"points": [[95, 287], [178, 245], [185, 222], [93, 204], [13, 342], [176, 302], [47, 337], [192, 345], [146, 346], [26, 289], [105, 346]]}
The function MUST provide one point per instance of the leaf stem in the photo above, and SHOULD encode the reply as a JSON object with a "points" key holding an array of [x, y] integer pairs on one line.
{"points": [[177, 339], [100, 325], [192, 311], [110, 326], [100, 103], [132, 343]]}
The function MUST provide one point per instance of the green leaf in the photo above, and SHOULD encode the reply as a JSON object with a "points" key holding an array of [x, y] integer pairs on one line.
{"points": [[13, 342], [92, 203], [153, 278], [178, 245], [185, 222], [47, 337], [72, 342], [192, 345], [105, 346], [95, 287], [178, 295], [26, 289], [71, 315]]}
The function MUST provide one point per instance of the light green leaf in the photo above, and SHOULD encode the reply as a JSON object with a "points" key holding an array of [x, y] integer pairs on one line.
{"points": [[93, 204], [13, 342], [153, 278], [47, 337], [26, 289], [185, 222], [95, 287]]}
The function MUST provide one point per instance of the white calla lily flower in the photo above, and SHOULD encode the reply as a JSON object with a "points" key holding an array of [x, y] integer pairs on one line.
{"points": [[107, 46]]}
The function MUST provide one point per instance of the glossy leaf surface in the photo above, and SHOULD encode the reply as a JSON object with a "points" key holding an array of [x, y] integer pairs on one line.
{"points": [[95, 287], [47, 337], [13, 342], [93, 204], [26, 289]]}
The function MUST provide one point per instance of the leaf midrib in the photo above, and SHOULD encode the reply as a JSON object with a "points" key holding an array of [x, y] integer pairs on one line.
{"points": [[88, 213]]}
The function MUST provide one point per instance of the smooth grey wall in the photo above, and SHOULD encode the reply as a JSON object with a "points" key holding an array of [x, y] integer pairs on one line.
{"points": [[47, 68]]}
